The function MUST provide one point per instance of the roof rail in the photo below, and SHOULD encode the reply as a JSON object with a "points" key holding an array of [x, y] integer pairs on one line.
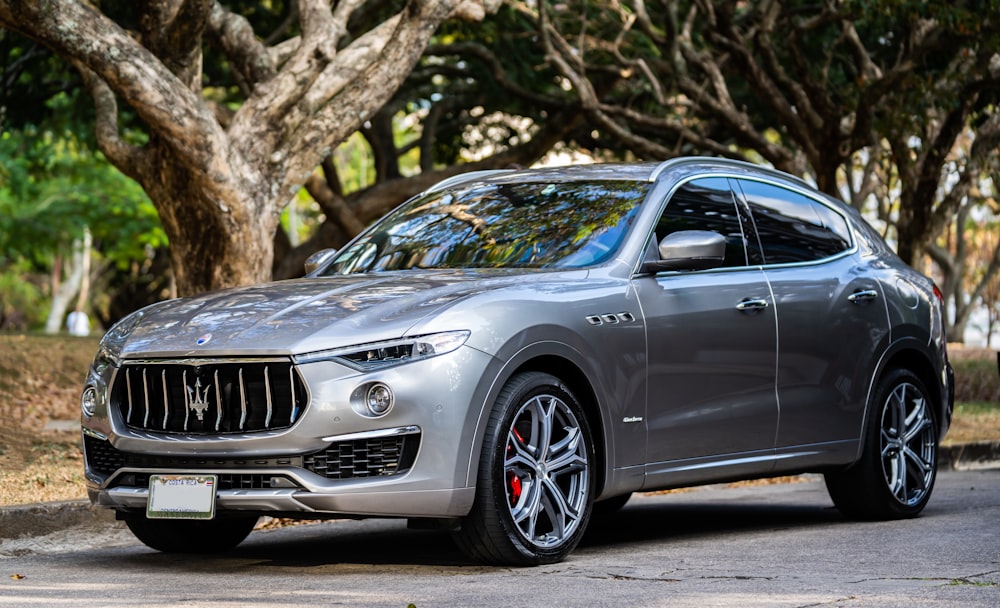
{"points": [[464, 177], [718, 160]]}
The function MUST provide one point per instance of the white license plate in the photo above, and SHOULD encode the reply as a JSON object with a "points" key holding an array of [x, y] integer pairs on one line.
{"points": [[181, 497]]}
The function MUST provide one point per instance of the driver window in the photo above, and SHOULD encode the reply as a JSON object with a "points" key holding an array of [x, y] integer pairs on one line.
{"points": [[706, 204]]}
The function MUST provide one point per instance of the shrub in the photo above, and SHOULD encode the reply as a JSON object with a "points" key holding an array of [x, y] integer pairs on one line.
{"points": [[976, 376]]}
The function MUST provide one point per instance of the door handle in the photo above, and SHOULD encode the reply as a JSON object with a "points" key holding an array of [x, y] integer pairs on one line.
{"points": [[751, 305], [862, 295]]}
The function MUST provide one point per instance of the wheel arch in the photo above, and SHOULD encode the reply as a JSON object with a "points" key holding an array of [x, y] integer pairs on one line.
{"points": [[565, 363], [911, 354], [579, 384]]}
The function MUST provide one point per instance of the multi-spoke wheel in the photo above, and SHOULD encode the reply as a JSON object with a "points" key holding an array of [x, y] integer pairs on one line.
{"points": [[535, 488], [896, 473]]}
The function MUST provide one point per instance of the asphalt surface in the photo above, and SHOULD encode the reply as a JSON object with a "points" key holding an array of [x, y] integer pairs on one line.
{"points": [[723, 545]]}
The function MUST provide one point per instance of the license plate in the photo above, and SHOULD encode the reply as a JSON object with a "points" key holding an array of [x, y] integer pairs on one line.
{"points": [[181, 497]]}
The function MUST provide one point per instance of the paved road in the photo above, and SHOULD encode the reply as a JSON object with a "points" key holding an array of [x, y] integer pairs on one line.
{"points": [[780, 545]]}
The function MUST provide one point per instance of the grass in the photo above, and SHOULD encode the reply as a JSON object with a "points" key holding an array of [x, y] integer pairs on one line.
{"points": [[41, 378]]}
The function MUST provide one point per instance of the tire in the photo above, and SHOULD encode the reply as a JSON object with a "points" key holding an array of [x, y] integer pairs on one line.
{"points": [[895, 476], [535, 488], [189, 535]]}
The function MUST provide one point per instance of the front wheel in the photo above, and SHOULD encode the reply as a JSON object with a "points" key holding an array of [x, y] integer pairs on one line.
{"points": [[535, 487], [898, 466], [190, 535]]}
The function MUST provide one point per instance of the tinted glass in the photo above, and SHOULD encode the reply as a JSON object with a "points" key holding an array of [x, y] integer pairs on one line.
{"points": [[500, 225], [793, 227], [706, 204]]}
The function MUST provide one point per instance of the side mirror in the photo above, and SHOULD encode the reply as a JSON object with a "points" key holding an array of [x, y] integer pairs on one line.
{"points": [[689, 250], [320, 258]]}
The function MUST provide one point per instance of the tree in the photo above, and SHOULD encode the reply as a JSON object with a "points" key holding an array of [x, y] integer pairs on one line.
{"points": [[806, 86], [219, 175], [57, 196], [481, 97]]}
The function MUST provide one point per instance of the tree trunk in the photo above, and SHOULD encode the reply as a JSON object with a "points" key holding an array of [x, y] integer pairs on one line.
{"points": [[69, 287], [217, 238]]}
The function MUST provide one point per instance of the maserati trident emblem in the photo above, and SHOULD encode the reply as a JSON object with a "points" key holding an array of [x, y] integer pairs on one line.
{"points": [[201, 341], [198, 399]]}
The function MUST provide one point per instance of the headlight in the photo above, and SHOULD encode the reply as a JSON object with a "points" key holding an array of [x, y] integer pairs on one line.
{"points": [[378, 355], [105, 359]]}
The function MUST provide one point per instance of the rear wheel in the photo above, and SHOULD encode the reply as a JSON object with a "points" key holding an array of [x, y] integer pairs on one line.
{"points": [[190, 535], [535, 488], [898, 466]]}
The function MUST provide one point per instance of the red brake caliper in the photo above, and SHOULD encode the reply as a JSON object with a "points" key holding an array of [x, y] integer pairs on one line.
{"points": [[513, 480]]}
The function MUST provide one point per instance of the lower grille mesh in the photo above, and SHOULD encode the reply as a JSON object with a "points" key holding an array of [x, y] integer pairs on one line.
{"points": [[361, 458]]}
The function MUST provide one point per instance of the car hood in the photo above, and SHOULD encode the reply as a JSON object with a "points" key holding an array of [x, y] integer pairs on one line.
{"points": [[303, 315]]}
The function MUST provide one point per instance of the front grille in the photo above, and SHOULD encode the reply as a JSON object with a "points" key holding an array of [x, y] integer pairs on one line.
{"points": [[209, 397], [378, 457]]}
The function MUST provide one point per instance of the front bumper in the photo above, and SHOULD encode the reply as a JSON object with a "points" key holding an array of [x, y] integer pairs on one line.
{"points": [[413, 462]]}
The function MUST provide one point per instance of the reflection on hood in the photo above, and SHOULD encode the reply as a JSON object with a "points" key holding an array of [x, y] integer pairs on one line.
{"points": [[301, 315]]}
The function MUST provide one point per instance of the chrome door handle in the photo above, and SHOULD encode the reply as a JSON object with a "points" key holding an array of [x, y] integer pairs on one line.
{"points": [[862, 295], [751, 305]]}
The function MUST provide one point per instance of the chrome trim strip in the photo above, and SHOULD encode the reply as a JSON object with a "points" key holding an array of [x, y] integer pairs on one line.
{"points": [[402, 430], [207, 361], [94, 434], [735, 461]]}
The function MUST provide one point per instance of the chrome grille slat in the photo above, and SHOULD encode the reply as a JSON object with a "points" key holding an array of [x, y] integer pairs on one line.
{"points": [[295, 410], [166, 408], [216, 397], [218, 402], [128, 383], [145, 400], [267, 391], [243, 401]]}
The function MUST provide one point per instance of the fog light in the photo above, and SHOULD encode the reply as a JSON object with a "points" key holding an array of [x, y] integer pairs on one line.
{"points": [[88, 401], [379, 399]]}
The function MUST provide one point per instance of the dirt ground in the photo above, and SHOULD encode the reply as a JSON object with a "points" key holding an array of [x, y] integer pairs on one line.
{"points": [[41, 378]]}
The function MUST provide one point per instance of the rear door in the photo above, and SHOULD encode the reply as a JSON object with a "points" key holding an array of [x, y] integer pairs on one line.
{"points": [[831, 320]]}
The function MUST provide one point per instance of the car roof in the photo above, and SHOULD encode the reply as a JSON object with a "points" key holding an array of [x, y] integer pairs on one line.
{"points": [[639, 171]]}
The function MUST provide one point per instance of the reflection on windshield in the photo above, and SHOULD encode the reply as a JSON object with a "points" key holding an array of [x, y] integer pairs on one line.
{"points": [[500, 225]]}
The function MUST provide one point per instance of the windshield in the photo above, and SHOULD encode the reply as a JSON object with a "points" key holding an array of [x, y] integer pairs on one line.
{"points": [[500, 225]]}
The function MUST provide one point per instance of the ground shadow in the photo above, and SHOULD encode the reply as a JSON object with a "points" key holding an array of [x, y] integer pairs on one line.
{"points": [[383, 543]]}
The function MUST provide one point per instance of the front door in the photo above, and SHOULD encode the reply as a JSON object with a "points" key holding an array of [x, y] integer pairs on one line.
{"points": [[711, 339]]}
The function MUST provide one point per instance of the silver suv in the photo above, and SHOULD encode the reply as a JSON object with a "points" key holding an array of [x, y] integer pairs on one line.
{"points": [[511, 352]]}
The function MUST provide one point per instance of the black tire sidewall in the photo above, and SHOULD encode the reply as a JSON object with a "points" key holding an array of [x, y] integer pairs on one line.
{"points": [[872, 460], [491, 489]]}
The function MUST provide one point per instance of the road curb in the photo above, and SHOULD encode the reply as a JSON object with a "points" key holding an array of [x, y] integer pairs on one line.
{"points": [[966, 456], [45, 518]]}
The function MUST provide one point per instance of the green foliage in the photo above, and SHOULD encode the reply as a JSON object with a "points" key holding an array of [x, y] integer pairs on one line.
{"points": [[21, 302], [976, 380], [53, 186]]}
